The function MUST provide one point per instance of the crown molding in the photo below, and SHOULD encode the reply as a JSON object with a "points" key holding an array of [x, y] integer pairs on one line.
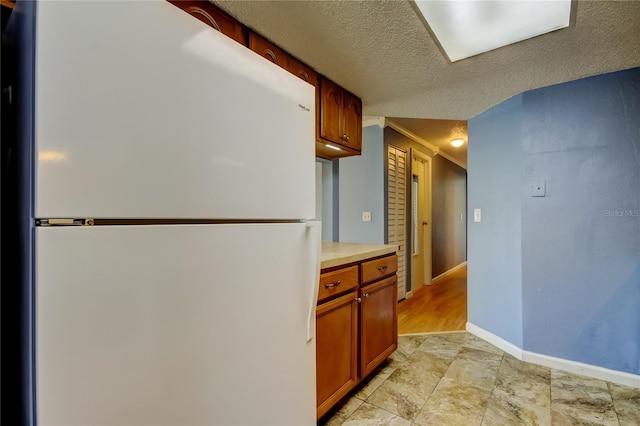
{"points": [[385, 122], [406, 132]]}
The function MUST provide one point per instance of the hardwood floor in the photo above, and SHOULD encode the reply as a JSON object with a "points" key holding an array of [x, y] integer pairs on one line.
{"points": [[439, 307]]}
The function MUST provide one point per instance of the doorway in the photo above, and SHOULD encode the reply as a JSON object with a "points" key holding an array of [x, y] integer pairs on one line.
{"points": [[433, 304], [421, 229]]}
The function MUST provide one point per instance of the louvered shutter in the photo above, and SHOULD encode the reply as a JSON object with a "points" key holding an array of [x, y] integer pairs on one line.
{"points": [[397, 203]]}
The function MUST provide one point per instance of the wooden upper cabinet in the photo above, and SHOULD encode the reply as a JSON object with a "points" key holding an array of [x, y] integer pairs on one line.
{"points": [[214, 17], [281, 58], [340, 120], [331, 105], [352, 121], [268, 50], [302, 71]]}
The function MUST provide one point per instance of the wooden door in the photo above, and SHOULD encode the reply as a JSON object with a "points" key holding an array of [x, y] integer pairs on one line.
{"points": [[336, 350], [396, 211], [214, 17], [331, 105], [352, 121], [378, 324]]}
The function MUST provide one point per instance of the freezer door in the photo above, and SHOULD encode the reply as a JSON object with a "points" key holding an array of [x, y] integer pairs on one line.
{"points": [[144, 111], [180, 325]]}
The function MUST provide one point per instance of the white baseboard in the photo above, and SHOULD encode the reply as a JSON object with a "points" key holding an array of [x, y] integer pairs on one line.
{"points": [[574, 367], [496, 341], [449, 272]]}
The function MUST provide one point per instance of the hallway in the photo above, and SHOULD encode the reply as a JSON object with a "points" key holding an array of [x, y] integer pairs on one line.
{"points": [[439, 307]]}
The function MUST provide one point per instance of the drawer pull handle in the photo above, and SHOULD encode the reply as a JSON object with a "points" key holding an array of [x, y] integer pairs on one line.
{"points": [[336, 284], [382, 268], [366, 295], [358, 300]]}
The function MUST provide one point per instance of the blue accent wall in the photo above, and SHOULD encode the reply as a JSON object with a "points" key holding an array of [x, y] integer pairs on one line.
{"points": [[579, 244], [361, 189], [494, 255]]}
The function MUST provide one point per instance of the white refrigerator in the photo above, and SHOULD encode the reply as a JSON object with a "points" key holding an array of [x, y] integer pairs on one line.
{"points": [[175, 259]]}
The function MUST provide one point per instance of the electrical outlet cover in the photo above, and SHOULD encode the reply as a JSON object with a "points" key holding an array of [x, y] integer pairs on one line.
{"points": [[538, 188]]}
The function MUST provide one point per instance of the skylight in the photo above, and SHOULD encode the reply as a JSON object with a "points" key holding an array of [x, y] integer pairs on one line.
{"points": [[466, 28]]}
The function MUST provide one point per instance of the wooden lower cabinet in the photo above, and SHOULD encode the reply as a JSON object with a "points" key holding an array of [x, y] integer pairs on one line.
{"points": [[378, 324], [356, 326], [336, 350]]}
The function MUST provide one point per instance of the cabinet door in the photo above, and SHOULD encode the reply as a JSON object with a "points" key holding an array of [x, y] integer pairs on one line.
{"points": [[336, 350], [214, 17], [302, 71], [352, 121], [331, 105], [379, 324], [268, 50]]}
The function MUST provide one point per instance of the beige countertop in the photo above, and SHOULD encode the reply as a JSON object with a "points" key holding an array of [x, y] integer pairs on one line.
{"points": [[336, 254]]}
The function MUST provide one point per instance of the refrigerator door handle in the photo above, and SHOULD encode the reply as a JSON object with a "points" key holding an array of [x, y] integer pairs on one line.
{"points": [[314, 229]]}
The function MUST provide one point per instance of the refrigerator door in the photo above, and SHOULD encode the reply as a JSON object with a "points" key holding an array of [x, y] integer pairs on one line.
{"points": [[143, 111], [181, 325]]}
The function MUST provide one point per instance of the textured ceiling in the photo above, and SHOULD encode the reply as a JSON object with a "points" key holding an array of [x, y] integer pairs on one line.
{"points": [[381, 51]]}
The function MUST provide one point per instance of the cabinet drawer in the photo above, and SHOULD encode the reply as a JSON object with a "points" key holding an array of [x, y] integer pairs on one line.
{"points": [[379, 268], [337, 282]]}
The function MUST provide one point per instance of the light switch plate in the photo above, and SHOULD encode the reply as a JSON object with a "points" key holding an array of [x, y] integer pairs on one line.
{"points": [[366, 216], [477, 215], [538, 188]]}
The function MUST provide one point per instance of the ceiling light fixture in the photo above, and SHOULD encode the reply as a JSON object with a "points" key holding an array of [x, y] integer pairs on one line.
{"points": [[457, 143], [466, 28]]}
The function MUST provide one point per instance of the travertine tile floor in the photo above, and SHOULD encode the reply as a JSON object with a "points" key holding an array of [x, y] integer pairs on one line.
{"points": [[459, 379]]}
